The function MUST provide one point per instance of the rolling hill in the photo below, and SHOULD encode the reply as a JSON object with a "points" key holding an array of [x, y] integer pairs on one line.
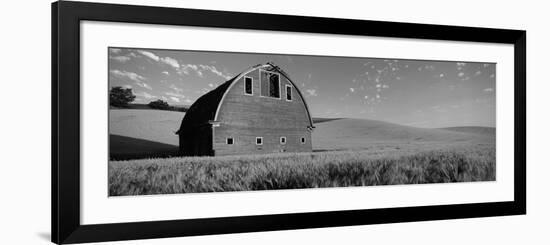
{"points": [[363, 134], [137, 106], [136, 133], [153, 131], [473, 129]]}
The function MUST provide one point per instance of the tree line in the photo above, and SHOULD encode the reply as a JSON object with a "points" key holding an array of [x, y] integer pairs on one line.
{"points": [[122, 97]]}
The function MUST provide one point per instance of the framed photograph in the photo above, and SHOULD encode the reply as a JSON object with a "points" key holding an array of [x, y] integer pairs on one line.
{"points": [[174, 122]]}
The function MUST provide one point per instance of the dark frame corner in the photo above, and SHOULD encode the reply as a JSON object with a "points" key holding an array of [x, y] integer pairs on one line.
{"points": [[66, 17]]}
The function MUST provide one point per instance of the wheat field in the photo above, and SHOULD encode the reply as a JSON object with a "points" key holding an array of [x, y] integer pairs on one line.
{"points": [[301, 170]]}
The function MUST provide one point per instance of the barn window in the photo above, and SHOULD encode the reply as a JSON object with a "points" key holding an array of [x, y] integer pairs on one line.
{"points": [[303, 140], [270, 84], [274, 90], [248, 85], [229, 141], [259, 140], [288, 93], [283, 140]]}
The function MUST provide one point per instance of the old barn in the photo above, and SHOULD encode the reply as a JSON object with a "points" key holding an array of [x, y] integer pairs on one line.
{"points": [[259, 111]]}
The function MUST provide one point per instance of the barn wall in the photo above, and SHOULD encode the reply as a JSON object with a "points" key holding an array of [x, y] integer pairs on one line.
{"points": [[244, 117], [197, 142]]}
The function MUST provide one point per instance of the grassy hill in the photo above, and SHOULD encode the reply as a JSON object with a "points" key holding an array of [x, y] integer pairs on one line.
{"points": [[474, 130], [152, 132], [366, 134], [139, 133]]}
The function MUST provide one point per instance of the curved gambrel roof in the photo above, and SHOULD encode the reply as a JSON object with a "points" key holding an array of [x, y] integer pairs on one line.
{"points": [[205, 109]]}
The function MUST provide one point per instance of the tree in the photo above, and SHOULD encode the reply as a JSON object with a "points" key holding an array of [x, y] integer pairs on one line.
{"points": [[159, 104], [120, 97]]}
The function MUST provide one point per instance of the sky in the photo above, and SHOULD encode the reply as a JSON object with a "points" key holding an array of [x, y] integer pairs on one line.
{"points": [[419, 93]]}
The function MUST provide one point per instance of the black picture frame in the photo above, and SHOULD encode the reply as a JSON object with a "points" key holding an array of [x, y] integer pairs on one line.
{"points": [[65, 168]]}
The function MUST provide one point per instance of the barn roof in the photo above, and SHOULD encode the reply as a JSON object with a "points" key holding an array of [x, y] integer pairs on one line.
{"points": [[204, 109]]}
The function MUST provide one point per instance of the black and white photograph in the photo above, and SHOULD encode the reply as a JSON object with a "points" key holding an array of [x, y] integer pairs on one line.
{"points": [[287, 122], [193, 121]]}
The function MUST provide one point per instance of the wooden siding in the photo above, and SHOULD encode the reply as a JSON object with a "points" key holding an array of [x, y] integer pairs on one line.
{"points": [[197, 142], [244, 117]]}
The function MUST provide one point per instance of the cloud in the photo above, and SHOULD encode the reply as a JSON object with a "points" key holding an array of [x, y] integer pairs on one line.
{"points": [[211, 85], [460, 65], [460, 74], [441, 75], [127, 86], [429, 67], [188, 101], [146, 95], [172, 94], [114, 50], [183, 72], [126, 74], [380, 86], [174, 87], [311, 92], [145, 85], [214, 70], [166, 73], [204, 91], [488, 90], [185, 69], [194, 67], [175, 99], [149, 55], [171, 62], [477, 73], [138, 79], [352, 90], [492, 76], [121, 59]]}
